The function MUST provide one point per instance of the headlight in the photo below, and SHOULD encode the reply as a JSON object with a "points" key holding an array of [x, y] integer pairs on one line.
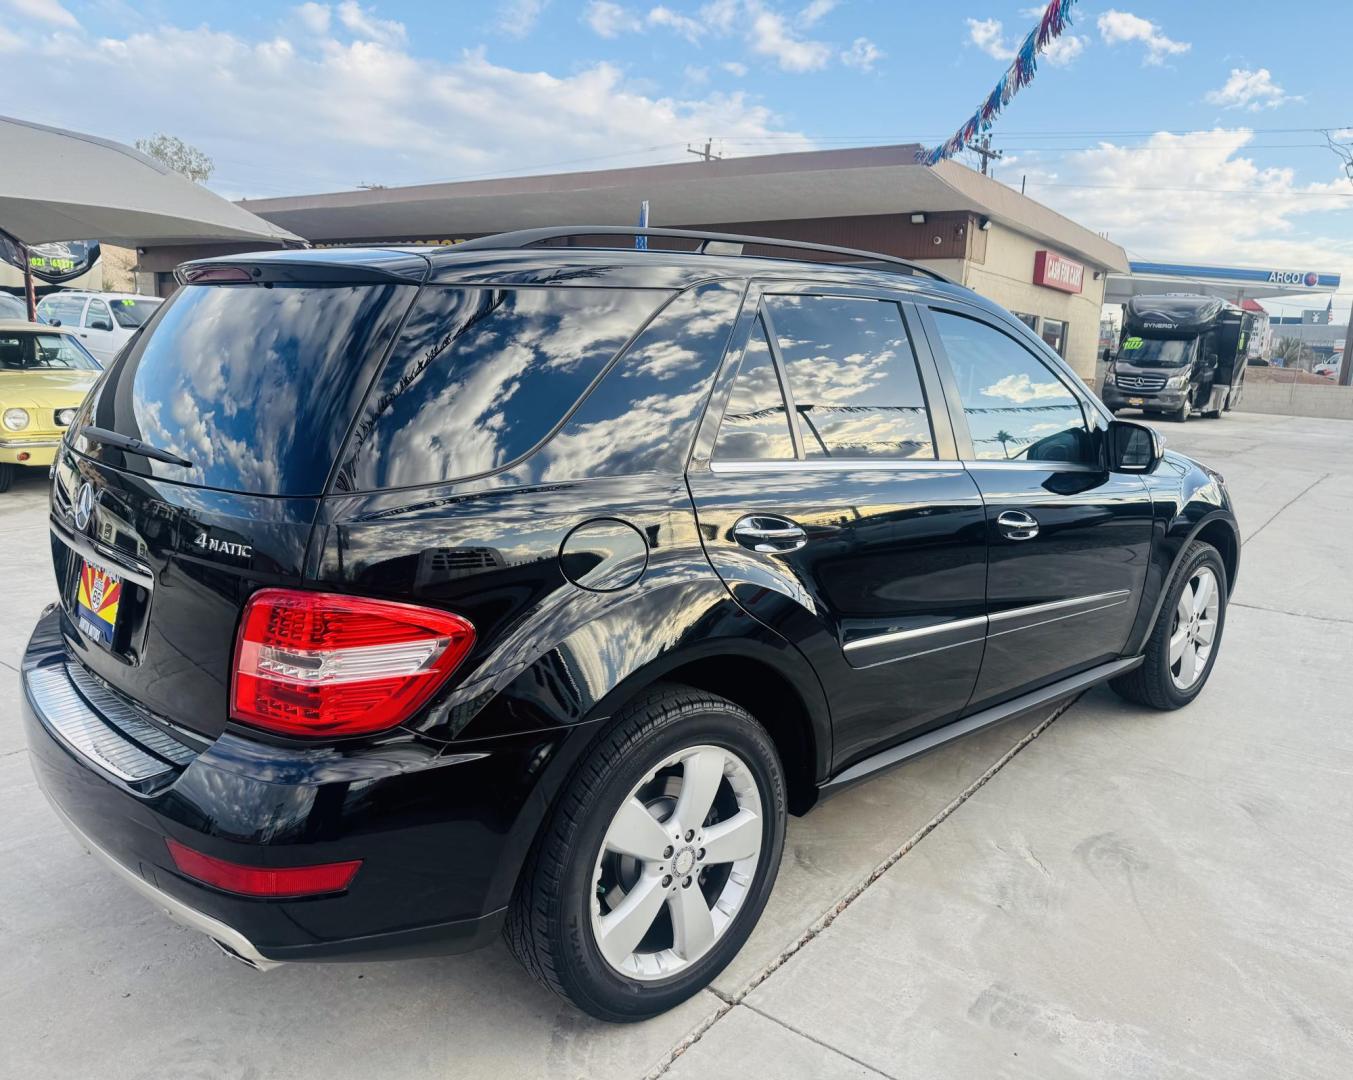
{"points": [[16, 419], [65, 416], [1178, 382]]}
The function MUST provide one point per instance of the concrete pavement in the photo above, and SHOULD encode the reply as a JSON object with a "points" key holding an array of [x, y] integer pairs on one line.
{"points": [[1130, 894]]}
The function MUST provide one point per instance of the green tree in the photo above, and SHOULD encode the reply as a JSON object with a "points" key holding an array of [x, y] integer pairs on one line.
{"points": [[182, 157]]}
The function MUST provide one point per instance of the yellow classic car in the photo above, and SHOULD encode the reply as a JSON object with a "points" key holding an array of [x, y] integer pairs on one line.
{"points": [[44, 375]]}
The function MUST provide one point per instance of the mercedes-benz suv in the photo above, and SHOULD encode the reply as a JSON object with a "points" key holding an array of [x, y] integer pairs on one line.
{"points": [[408, 598]]}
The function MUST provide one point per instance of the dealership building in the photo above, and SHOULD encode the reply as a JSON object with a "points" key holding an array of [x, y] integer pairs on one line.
{"points": [[1035, 262]]}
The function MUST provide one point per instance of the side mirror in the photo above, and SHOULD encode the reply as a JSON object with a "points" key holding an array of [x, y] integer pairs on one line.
{"points": [[1133, 448], [100, 324], [1211, 360], [54, 322]]}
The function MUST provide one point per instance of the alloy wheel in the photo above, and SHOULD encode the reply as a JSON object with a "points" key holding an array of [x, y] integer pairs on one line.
{"points": [[1195, 628], [677, 863]]}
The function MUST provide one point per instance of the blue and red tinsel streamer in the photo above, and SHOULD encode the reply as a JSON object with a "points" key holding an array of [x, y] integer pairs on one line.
{"points": [[1056, 18]]}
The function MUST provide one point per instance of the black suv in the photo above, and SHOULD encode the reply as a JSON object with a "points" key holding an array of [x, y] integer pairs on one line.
{"points": [[408, 597]]}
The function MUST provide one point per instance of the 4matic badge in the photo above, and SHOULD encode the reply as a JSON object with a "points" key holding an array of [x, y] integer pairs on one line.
{"points": [[209, 544]]}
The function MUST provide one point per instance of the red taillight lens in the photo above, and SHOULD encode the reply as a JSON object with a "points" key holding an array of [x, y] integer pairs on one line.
{"points": [[312, 663], [261, 880]]}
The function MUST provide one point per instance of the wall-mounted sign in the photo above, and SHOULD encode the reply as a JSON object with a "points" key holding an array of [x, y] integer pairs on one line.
{"points": [[1058, 272]]}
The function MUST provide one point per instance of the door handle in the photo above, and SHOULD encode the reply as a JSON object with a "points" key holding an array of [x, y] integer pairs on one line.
{"points": [[769, 535], [1017, 525]]}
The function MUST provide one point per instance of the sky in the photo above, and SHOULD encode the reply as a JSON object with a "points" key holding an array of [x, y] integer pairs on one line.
{"points": [[1185, 132]]}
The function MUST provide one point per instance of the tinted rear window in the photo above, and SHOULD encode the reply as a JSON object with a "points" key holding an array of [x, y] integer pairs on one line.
{"points": [[255, 385], [481, 376]]}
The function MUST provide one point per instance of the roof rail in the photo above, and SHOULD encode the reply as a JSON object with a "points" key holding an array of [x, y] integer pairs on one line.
{"points": [[711, 243]]}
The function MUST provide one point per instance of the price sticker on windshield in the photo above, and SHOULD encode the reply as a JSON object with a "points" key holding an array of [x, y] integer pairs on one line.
{"points": [[1131, 343]]}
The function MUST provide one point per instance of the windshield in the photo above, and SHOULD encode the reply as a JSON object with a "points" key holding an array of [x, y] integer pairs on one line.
{"points": [[43, 352], [1158, 352], [11, 307], [132, 313]]}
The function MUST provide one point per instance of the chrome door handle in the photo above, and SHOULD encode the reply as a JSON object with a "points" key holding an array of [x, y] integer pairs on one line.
{"points": [[769, 535], [1017, 525]]}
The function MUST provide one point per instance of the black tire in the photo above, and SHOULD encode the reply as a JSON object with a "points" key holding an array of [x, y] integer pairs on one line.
{"points": [[549, 927], [1152, 683], [6, 475], [1213, 414]]}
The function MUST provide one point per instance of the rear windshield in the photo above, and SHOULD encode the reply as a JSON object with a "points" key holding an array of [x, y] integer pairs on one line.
{"points": [[256, 385], [480, 376]]}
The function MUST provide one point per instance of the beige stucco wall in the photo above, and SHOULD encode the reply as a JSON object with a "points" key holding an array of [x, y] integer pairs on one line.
{"points": [[1006, 276]]}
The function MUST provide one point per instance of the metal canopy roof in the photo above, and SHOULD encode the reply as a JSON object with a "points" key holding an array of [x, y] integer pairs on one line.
{"points": [[774, 187], [62, 185], [1234, 283]]}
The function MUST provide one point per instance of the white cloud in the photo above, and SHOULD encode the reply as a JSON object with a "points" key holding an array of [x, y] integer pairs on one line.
{"points": [[693, 73], [771, 36], [1220, 206], [611, 20], [1252, 90], [48, 11], [366, 27], [1063, 50], [814, 11], [517, 18], [862, 54], [361, 110], [314, 17], [989, 36], [734, 68], [1119, 27], [687, 27]]}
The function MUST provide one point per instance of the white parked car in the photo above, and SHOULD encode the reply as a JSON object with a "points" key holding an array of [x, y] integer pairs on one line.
{"points": [[103, 321]]}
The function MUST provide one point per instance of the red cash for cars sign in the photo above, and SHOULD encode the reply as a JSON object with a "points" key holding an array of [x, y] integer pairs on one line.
{"points": [[1058, 272]]}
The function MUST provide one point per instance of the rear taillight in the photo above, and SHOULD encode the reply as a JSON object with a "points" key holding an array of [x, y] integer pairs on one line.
{"points": [[264, 881], [313, 663]]}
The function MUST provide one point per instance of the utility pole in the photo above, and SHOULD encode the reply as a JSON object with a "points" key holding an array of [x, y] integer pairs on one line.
{"points": [[1346, 367], [982, 148], [707, 153]]}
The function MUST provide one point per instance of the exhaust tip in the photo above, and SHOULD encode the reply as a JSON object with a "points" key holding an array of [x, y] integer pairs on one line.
{"points": [[228, 951]]}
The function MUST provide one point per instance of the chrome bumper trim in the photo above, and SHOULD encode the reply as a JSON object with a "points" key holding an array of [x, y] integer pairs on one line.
{"points": [[176, 909], [29, 444], [69, 717]]}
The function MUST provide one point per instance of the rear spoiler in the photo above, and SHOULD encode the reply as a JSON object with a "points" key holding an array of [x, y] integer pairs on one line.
{"points": [[352, 266]]}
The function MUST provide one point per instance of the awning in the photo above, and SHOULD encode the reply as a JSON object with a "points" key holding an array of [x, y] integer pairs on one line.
{"points": [[62, 185]]}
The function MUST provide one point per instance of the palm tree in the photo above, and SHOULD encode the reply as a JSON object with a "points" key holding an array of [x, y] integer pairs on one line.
{"points": [[1004, 437]]}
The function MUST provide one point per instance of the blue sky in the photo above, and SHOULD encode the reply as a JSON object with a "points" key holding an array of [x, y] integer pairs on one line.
{"points": [[1184, 131]]}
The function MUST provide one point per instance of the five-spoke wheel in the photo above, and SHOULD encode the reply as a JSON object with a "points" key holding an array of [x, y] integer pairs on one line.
{"points": [[675, 864]]}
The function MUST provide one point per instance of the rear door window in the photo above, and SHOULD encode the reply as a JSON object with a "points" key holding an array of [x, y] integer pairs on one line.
{"points": [[755, 425], [256, 385], [853, 377], [481, 376]]}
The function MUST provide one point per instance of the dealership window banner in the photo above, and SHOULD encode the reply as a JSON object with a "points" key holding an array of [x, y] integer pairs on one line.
{"points": [[54, 263], [1056, 18]]}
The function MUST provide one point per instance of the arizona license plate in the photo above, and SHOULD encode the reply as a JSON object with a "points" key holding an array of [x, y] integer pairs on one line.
{"points": [[96, 603]]}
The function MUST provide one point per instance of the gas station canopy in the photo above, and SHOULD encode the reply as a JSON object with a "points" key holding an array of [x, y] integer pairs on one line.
{"points": [[1234, 283]]}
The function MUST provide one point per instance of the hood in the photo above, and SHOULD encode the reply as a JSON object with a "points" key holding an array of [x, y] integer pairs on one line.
{"points": [[45, 389]]}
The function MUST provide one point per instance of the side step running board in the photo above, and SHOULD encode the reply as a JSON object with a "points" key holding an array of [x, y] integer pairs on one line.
{"points": [[1037, 699]]}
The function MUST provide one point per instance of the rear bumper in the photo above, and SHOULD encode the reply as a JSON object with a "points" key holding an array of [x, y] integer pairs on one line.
{"points": [[441, 834]]}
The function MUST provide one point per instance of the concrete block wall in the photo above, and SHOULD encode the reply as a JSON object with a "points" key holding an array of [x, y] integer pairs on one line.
{"points": [[1298, 399]]}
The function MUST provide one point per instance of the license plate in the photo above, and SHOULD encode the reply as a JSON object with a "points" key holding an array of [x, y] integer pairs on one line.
{"points": [[1136, 401], [96, 602]]}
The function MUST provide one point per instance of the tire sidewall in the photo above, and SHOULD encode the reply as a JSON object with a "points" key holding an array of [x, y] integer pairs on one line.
{"points": [[1210, 557], [585, 968]]}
